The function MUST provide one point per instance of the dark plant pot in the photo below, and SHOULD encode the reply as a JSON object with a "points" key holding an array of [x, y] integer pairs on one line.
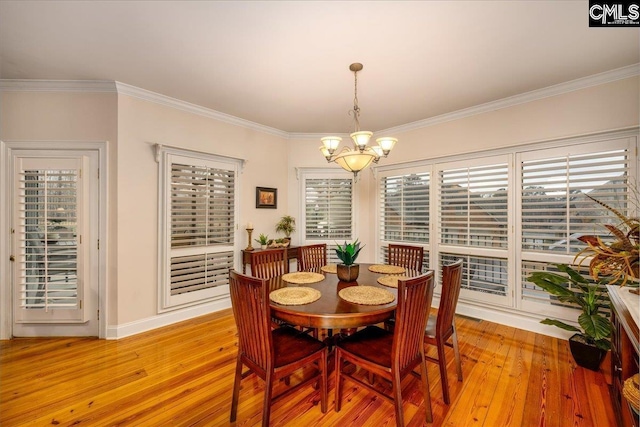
{"points": [[586, 355], [348, 273]]}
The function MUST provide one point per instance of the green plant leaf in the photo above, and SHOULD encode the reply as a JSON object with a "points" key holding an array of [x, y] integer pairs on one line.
{"points": [[574, 275], [555, 285], [561, 325], [595, 326]]}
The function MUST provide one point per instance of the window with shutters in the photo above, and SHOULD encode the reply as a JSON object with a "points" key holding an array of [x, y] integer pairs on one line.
{"points": [[509, 212], [404, 211], [198, 217], [328, 209], [474, 224], [556, 207]]}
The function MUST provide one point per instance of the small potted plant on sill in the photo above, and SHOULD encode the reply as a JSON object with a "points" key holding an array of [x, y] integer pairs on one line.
{"points": [[348, 270], [263, 239], [588, 345], [287, 225]]}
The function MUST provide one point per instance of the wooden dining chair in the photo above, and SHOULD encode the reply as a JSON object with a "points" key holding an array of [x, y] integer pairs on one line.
{"points": [[270, 354], [312, 257], [409, 257], [443, 326], [391, 355], [269, 263]]}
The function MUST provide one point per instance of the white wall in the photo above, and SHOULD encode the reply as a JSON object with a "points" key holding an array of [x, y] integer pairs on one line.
{"points": [[141, 124]]}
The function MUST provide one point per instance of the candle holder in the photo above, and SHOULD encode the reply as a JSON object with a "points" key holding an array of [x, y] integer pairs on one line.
{"points": [[249, 247]]}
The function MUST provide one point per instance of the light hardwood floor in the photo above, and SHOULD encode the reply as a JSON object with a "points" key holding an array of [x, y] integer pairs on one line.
{"points": [[182, 375]]}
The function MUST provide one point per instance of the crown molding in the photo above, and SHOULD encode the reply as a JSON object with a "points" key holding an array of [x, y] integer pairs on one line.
{"points": [[188, 107], [523, 98], [20, 85], [103, 86]]}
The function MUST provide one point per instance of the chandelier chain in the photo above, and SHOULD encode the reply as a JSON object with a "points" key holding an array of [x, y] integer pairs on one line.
{"points": [[356, 108]]}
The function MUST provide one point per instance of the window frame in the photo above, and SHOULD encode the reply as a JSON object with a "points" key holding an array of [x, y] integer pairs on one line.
{"points": [[166, 156]]}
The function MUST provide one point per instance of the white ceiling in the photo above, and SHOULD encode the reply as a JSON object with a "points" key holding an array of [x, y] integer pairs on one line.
{"points": [[286, 64]]}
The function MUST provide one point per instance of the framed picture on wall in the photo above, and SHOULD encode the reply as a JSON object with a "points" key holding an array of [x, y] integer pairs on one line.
{"points": [[266, 198]]}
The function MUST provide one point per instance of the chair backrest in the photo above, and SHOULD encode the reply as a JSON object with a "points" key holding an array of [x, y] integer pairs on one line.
{"points": [[409, 257], [414, 299], [250, 302], [269, 263], [451, 282], [312, 257]]}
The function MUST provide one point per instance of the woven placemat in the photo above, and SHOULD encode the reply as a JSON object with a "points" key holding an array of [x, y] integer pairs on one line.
{"points": [[386, 269], [294, 296], [366, 295], [303, 277], [329, 268], [390, 280]]}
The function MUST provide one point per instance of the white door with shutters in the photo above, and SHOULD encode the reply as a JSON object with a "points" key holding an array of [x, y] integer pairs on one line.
{"points": [[54, 246]]}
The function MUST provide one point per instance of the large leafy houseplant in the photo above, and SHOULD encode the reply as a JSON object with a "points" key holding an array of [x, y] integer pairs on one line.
{"points": [[348, 270], [591, 341]]}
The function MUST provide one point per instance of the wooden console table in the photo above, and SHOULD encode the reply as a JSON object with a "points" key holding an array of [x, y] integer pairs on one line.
{"points": [[292, 253], [624, 351]]}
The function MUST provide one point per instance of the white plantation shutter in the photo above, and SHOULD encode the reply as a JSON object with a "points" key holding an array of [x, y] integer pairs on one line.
{"points": [[473, 206], [202, 271], [555, 208], [404, 211], [202, 206], [200, 217], [49, 248], [328, 208], [474, 225]]}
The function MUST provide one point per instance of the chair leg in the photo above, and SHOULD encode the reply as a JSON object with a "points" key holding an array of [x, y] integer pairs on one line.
{"points": [[323, 382], [338, 379], [442, 364], [236, 391], [426, 392], [456, 352], [268, 393], [397, 397]]}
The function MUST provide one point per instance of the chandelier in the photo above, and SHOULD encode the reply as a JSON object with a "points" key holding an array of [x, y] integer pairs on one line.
{"points": [[361, 155]]}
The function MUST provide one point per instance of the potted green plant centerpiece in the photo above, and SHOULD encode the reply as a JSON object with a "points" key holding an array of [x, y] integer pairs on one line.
{"points": [[348, 270], [590, 344], [287, 225], [263, 239]]}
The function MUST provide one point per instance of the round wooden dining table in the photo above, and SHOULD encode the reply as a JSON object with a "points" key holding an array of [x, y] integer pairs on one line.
{"points": [[330, 311]]}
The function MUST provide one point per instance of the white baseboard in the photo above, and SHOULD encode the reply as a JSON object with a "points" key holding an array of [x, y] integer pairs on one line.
{"points": [[509, 318], [164, 319]]}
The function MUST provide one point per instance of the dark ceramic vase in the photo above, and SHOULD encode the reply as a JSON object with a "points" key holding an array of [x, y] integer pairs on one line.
{"points": [[348, 273]]}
